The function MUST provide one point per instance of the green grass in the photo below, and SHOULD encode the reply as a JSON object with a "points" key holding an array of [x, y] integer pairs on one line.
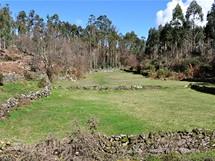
{"points": [[119, 78], [118, 112], [16, 88]]}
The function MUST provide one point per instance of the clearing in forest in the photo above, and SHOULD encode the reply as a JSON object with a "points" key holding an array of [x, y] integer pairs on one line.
{"points": [[118, 111]]}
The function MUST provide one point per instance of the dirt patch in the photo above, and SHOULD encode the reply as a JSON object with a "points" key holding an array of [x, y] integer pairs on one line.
{"points": [[10, 55], [12, 61]]}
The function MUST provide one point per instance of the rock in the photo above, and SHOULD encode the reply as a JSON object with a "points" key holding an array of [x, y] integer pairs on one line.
{"points": [[196, 131], [158, 150], [161, 133], [143, 136], [132, 139], [181, 142], [8, 143], [184, 151]]}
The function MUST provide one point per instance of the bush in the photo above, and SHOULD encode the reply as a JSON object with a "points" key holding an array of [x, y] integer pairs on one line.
{"points": [[43, 83], [1, 79], [204, 71], [147, 67], [78, 74], [29, 76], [163, 73]]}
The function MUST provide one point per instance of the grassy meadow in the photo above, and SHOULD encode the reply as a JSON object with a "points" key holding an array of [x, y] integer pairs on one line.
{"points": [[118, 112], [16, 88]]}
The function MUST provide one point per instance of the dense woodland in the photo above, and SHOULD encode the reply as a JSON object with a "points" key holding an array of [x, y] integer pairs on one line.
{"points": [[179, 49]]}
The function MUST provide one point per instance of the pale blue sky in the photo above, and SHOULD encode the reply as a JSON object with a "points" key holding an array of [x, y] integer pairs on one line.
{"points": [[127, 15]]}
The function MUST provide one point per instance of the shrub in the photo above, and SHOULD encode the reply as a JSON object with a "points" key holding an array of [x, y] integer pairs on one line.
{"points": [[29, 76], [163, 73], [147, 67], [43, 83], [204, 71], [78, 74]]}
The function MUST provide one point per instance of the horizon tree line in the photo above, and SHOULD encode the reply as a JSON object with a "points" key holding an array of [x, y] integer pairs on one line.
{"points": [[65, 48]]}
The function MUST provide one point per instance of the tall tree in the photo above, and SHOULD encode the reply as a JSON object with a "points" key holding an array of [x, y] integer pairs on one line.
{"points": [[152, 43], [112, 47], [21, 23], [166, 41], [177, 23], [5, 27], [103, 24], [91, 38], [194, 15], [210, 26]]}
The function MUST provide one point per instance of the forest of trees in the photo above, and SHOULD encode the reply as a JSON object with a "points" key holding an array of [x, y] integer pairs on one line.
{"points": [[183, 46], [180, 46]]}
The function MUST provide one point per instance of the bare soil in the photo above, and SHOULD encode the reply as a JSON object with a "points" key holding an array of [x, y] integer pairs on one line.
{"points": [[13, 61]]}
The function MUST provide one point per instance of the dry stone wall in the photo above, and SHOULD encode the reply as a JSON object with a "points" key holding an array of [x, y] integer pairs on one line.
{"points": [[100, 147], [133, 87], [182, 142], [11, 77], [13, 103]]}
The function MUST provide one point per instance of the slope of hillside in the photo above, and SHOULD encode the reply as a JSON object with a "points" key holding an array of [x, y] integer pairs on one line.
{"points": [[13, 61]]}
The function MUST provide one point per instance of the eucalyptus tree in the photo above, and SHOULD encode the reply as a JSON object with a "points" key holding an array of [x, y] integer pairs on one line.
{"points": [[103, 25], [38, 34], [91, 37], [30, 22], [74, 29], [66, 31], [210, 26], [179, 32], [21, 21], [194, 15], [53, 31], [166, 41], [6, 24], [21, 24], [153, 43], [112, 47]]}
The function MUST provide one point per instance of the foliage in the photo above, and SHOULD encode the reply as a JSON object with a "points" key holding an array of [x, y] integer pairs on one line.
{"points": [[163, 73], [29, 76], [210, 26], [61, 47], [180, 41], [6, 26], [147, 67], [194, 13], [43, 82]]}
